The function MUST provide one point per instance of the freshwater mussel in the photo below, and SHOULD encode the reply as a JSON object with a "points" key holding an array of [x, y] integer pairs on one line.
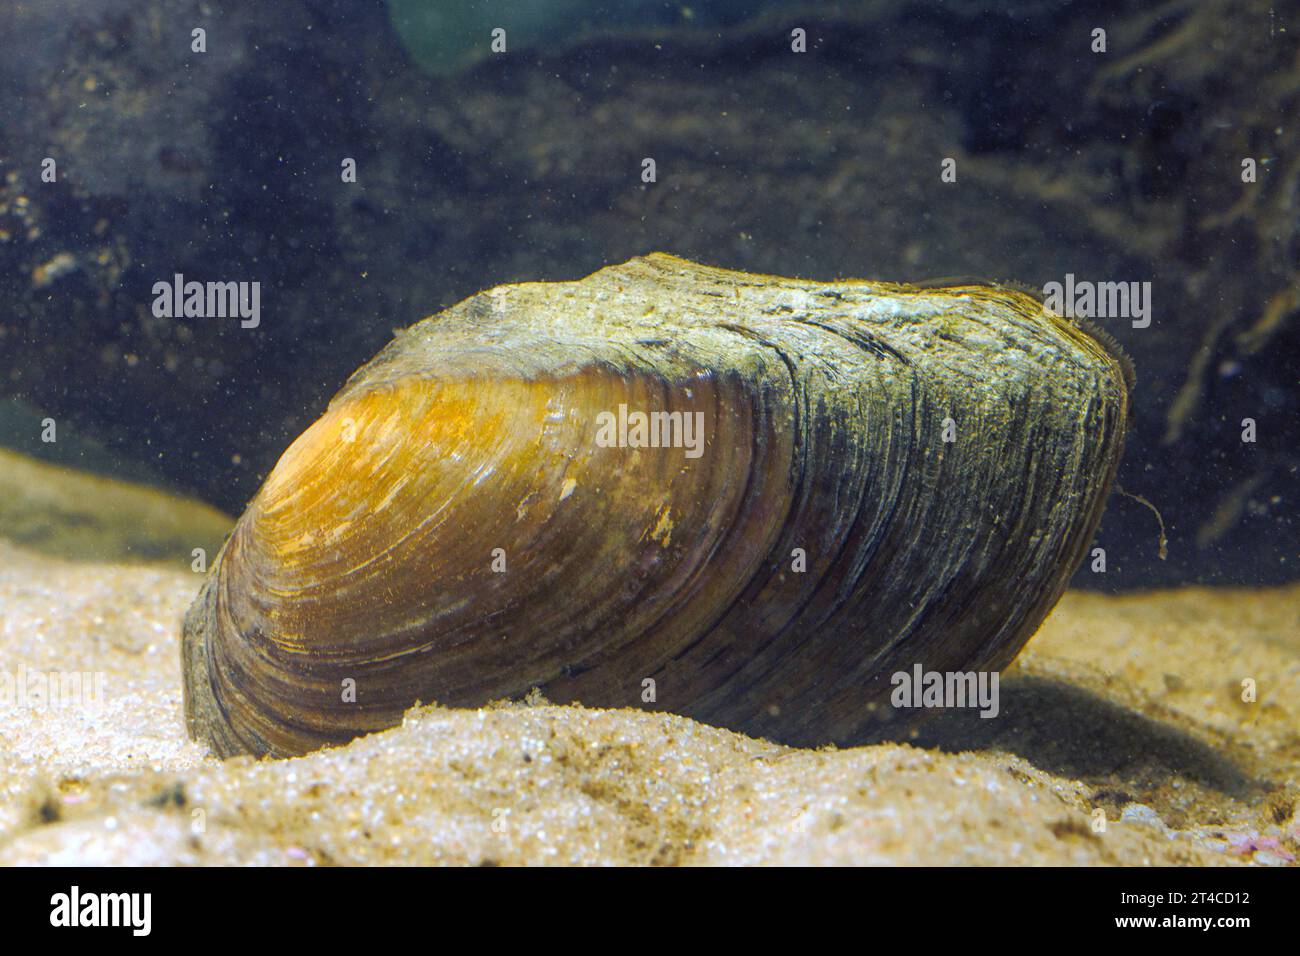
{"points": [[746, 499]]}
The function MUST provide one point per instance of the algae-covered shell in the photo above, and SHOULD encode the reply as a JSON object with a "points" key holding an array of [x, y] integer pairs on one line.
{"points": [[851, 478]]}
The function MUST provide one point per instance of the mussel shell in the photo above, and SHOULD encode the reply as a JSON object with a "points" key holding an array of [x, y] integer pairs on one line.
{"points": [[371, 554]]}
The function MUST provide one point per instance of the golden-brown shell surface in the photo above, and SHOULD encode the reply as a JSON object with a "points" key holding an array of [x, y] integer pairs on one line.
{"points": [[853, 478]]}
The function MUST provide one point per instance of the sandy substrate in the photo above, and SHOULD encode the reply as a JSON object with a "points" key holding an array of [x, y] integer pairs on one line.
{"points": [[1128, 705], [1128, 709]]}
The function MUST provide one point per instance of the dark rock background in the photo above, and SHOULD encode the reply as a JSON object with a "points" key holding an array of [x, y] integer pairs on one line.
{"points": [[225, 166]]}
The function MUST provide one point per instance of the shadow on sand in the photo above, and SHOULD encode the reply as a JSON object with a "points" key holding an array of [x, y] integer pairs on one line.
{"points": [[1071, 732]]}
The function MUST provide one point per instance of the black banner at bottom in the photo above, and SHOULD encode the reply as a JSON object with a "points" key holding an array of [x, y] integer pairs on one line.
{"points": [[270, 906]]}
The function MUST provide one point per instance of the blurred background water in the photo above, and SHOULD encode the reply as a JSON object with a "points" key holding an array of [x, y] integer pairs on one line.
{"points": [[476, 168]]}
